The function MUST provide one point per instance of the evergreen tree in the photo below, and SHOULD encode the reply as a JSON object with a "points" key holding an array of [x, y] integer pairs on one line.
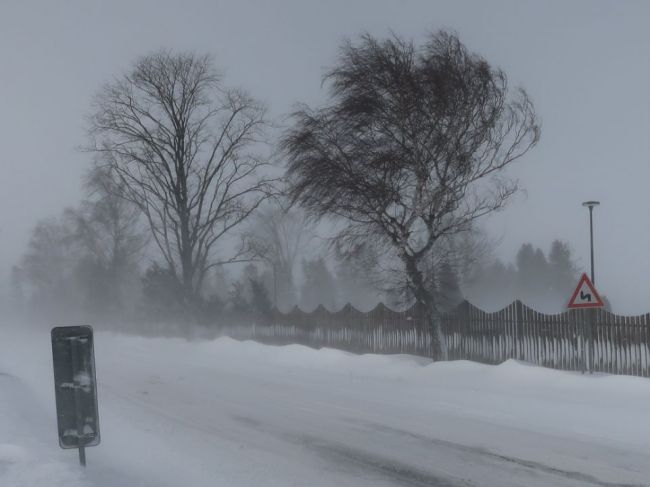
{"points": [[544, 284], [448, 289], [563, 270], [357, 276], [260, 303], [238, 303], [162, 294], [250, 273], [319, 285], [525, 270], [532, 276]]}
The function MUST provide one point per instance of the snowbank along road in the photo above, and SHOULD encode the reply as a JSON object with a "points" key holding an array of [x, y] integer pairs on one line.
{"points": [[227, 413]]}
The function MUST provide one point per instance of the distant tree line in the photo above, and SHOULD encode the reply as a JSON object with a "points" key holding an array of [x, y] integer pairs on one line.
{"points": [[542, 281], [90, 263]]}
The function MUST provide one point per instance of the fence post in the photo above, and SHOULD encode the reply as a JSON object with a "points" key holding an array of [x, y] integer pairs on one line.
{"points": [[588, 325], [519, 324], [464, 319], [592, 329]]}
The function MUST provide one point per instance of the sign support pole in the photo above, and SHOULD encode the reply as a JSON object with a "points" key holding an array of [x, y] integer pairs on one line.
{"points": [[82, 456], [585, 342], [592, 336], [77, 400], [591, 241]]}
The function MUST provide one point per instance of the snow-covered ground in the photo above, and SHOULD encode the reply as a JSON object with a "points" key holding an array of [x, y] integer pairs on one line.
{"points": [[227, 413]]}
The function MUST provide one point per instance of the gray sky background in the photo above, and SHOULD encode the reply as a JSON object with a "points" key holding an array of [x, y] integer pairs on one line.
{"points": [[586, 65]]}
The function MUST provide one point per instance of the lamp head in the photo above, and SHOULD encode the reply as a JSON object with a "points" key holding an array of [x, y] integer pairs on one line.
{"points": [[591, 204]]}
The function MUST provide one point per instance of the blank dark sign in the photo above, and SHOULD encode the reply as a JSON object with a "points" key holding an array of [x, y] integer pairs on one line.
{"points": [[75, 386]]}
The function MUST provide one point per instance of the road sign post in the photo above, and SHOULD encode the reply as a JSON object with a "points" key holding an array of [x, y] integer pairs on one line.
{"points": [[586, 297], [75, 388]]}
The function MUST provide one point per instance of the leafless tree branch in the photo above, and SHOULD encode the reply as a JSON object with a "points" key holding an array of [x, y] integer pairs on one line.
{"points": [[182, 146], [411, 147]]}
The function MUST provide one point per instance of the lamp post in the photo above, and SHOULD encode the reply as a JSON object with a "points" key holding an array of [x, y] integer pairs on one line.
{"points": [[591, 205]]}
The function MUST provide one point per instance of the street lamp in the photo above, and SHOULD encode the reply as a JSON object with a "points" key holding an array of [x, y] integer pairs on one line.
{"points": [[591, 205]]}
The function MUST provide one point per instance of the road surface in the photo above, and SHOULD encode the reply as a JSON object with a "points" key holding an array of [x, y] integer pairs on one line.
{"points": [[242, 414]]}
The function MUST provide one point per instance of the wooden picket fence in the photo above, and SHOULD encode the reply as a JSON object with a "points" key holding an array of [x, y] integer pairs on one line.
{"points": [[584, 340]]}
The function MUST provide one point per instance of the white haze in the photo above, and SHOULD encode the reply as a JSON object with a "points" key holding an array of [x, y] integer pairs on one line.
{"points": [[584, 63]]}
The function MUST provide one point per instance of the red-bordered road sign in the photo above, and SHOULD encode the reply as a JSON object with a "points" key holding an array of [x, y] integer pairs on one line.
{"points": [[585, 295]]}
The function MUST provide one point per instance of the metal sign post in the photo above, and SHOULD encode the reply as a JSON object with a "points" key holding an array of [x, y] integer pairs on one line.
{"points": [[75, 388], [586, 297]]}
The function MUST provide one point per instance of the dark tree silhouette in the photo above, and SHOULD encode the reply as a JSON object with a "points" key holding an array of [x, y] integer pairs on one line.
{"points": [[359, 279], [563, 269], [319, 285], [277, 236], [162, 294], [449, 294], [410, 147], [181, 145], [108, 229], [260, 303]]}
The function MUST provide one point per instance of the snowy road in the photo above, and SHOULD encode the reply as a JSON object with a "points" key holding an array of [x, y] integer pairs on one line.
{"points": [[243, 414]]}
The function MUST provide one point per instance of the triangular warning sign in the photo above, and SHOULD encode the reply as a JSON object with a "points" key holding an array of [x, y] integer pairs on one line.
{"points": [[585, 295]]}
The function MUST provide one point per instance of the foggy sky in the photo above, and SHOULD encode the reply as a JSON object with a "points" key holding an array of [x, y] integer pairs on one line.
{"points": [[585, 64]]}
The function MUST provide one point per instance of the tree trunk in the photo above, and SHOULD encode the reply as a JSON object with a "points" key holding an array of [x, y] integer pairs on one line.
{"points": [[425, 300]]}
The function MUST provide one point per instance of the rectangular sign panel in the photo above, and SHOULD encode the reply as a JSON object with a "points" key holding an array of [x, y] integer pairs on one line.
{"points": [[75, 386]]}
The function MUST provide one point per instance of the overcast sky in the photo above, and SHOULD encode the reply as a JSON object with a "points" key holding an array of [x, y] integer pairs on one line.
{"points": [[585, 64]]}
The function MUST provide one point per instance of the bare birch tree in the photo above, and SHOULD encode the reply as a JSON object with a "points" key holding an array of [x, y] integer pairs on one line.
{"points": [[410, 148], [183, 147]]}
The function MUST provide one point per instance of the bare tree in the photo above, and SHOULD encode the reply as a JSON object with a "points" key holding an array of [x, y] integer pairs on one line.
{"points": [[410, 148], [107, 225], [182, 145], [86, 259], [48, 269], [277, 236], [108, 229]]}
